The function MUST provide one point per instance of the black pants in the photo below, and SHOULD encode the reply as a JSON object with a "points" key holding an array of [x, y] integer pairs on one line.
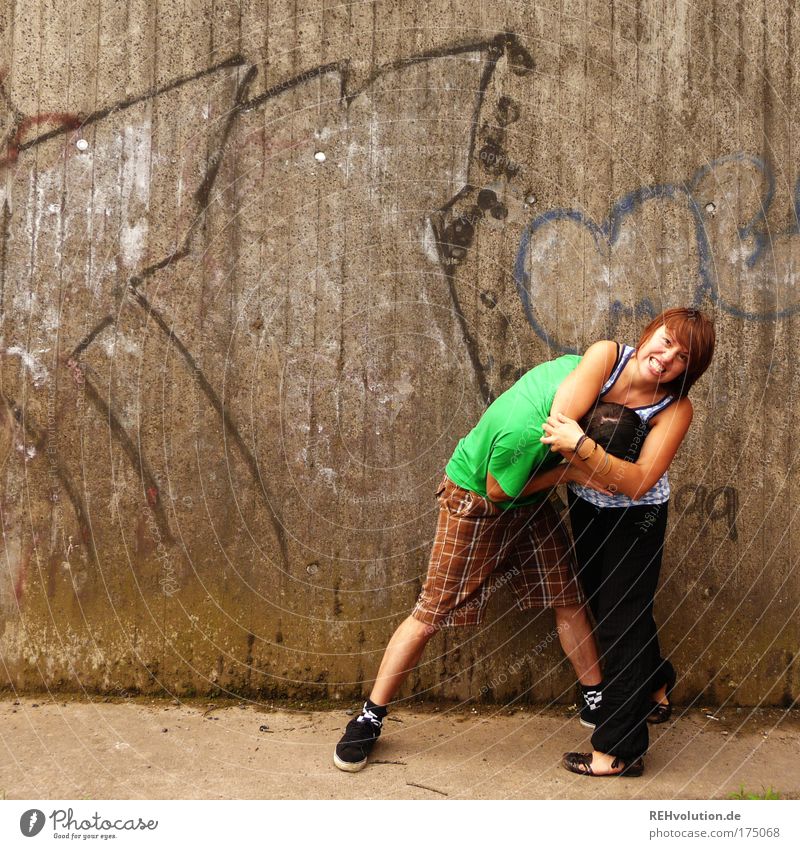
{"points": [[618, 550]]}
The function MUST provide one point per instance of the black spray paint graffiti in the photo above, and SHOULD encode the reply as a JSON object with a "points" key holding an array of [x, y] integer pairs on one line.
{"points": [[459, 233], [719, 504], [491, 171], [455, 223]]}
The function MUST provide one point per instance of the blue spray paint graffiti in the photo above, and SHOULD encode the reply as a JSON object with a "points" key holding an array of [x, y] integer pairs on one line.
{"points": [[606, 234]]}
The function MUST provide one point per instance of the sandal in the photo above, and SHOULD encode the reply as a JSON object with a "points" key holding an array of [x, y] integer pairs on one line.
{"points": [[581, 763], [661, 713]]}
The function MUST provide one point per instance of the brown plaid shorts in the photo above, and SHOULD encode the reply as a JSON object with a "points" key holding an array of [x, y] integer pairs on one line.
{"points": [[479, 547]]}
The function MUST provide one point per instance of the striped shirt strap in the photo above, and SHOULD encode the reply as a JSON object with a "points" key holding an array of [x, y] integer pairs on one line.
{"points": [[647, 413], [622, 360]]}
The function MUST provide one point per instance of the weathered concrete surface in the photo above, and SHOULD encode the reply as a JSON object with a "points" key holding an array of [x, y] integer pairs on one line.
{"points": [[211, 750], [238, 370]]}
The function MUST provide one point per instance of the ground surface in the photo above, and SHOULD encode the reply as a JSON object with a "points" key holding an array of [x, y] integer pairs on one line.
{"points": [[227, 750]]}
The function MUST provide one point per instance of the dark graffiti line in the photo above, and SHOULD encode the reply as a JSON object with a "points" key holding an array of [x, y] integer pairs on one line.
{"points": [[201, 198], [91, 336], [136, 458], [461, 193], [502, 44], [39, 439], [149, 270], [204, 191], [226, 418], [119, 106], [496, 47], [437, 223], [297, 79], [487, 395]]}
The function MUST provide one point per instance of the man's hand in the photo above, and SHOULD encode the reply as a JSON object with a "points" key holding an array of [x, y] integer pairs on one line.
{"points": [[573, 475], [561, 434]]}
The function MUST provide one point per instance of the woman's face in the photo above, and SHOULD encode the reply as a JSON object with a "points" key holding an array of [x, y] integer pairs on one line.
{"points": [[662, 358]]}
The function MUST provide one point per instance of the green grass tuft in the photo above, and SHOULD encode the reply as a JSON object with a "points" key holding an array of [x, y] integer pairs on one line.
{"points": [[769, 793]]}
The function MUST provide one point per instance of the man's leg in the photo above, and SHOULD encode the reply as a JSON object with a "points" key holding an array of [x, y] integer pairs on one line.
{"points": [[409, 640], [469, 544], [548, 578], [577, 641], [401, 656]]}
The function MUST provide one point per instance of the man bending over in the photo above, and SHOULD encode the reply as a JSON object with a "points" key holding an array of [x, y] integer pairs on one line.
{"points": [[493, 513]]}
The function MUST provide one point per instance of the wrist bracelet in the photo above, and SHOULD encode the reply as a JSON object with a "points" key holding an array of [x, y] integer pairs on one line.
{"points": [[578, 444], [594, 448]]}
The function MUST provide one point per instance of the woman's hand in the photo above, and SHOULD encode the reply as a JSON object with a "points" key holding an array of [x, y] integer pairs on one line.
{"points": [[561, 434]]}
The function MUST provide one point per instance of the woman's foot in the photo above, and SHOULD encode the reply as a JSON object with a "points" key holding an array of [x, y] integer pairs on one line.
{"points": [[598, 764], [660, 696], [661, 709]]}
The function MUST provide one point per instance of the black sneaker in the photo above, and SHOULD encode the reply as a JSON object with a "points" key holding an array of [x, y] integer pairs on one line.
{"points": [[361, 734], [592, 697]]}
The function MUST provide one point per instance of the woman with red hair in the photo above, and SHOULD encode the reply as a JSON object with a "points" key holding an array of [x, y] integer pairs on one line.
{"points": [[619, 537]]}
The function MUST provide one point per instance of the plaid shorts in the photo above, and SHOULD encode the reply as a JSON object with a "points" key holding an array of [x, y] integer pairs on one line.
{"points": [[479, 547]]}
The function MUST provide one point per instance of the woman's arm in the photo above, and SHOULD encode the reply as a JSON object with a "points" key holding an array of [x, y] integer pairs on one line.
{"points": [[632, 479], [574, 397], [579, 390]]}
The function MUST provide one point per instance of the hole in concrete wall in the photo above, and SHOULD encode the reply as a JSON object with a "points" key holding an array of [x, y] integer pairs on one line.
{"points": [[507, 111], [486, 198]]}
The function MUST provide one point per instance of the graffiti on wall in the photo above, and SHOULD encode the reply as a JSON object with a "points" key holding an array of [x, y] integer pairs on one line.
{"points": [[23, 133], [721, 248], [714, 504], [724, 251]]}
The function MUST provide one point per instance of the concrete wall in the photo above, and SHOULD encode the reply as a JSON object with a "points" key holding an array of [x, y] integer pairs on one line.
{"points": [[237, 371]]}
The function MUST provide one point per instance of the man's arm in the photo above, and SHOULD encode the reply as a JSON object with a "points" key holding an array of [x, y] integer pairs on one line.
{"points": [[538, 483], [563, 473]]}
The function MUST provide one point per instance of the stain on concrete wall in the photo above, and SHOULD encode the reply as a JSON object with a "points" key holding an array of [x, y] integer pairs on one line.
{"points": [[261, 267]]}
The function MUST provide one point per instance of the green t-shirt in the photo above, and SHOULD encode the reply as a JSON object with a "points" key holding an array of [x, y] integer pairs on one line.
{"points": [[505, 441]]}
